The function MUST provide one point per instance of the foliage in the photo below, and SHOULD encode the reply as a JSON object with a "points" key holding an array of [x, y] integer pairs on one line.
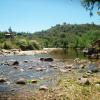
{"points": [[90, 4], [7, 45], [59, 36], [34, 45], [28, 45], [22, 44], [67, 35]]}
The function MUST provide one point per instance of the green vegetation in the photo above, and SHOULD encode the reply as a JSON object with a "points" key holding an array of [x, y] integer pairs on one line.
{"points": [[59, 36], [90, 4], [67, 35]]}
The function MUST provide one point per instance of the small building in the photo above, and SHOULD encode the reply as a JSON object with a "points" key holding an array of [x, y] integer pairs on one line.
{"points": [[8, 35]]}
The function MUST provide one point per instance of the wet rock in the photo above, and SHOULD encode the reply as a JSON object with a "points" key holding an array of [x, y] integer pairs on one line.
{"points": [[26, 61], [40, 69], [21, 81], [8, 82], [69, 66], [82, 66], [15, 67], [2, 80], [83, 81], [93, 68], [21, 69], [63, 70], [15, 63], [55, 67], [46, 59], [43, 87], [33, 81], [30, 68], [51, 65]]}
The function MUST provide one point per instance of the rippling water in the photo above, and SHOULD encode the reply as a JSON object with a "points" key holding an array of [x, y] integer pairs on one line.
{"points": [[46, 77]]}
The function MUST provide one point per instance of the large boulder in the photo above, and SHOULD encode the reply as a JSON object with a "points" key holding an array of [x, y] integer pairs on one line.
{"points": [[93, 67]]}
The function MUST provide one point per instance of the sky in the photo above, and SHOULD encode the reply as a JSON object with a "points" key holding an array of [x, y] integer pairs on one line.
{"points": [[37, 15]]}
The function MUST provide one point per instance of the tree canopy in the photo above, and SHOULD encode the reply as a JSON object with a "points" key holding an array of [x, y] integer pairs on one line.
{"points": [[90, 4]]}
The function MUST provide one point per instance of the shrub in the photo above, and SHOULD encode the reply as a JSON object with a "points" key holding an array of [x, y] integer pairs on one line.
{"points": [[22, 44], [7, 45], [28, 45], [34, 45]]}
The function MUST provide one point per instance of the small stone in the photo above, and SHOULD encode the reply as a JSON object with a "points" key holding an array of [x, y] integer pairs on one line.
{"points": [[39, 69], [15, 63], [26, 61], [33, 81], [21, 81], [83, 81], [30, 68], [2, 80], [63, 70], [22, 70], [43, 87], [15, 67]]}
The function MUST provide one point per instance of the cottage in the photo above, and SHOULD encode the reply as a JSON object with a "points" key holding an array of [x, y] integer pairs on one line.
{"points": [[8, 35]]}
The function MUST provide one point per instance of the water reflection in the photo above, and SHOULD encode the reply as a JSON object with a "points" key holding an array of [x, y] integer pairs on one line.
{"points": [[68, 54]]}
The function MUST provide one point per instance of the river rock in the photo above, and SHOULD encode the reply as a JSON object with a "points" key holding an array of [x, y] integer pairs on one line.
{"points": [[30, 68], [63, 70], [33, 81], [2, 80], [26, 61], [46, 59], [15, 63], [93, 68], [83, 81], [82, 66], [43, 87], [21, 81], [40, 68]]}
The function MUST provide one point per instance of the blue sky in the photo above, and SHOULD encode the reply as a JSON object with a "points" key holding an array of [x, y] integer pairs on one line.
{"points": [[37, 15]]}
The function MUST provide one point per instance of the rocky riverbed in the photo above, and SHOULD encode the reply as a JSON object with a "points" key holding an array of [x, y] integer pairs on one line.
{"points": [[33, 77]]}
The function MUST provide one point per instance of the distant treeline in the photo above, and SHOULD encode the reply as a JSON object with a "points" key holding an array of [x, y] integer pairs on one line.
{"points": [[63, 36]]}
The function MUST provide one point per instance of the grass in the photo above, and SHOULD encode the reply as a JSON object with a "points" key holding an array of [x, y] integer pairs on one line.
{"points": [[68, 89]]}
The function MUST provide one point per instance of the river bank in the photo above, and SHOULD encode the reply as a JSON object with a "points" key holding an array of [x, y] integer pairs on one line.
{"points": [[29, 78], [4, 52]]}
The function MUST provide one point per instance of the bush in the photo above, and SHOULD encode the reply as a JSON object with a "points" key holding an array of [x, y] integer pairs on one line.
{"points": [[34, 45], [22, 44], [28, 45], [7, 45]]}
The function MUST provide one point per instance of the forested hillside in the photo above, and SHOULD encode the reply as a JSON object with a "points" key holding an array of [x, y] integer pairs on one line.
{"points": [[68, 35], [63, 36]]}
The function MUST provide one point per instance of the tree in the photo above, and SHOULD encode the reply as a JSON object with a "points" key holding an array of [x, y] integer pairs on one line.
{"points": [[10, 30], [90, 4]]}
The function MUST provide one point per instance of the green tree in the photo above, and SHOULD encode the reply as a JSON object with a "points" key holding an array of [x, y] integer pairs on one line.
{"points": [[90, 4]]}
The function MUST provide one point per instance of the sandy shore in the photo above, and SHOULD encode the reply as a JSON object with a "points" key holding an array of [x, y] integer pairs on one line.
{"points": [[4, 52]]}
